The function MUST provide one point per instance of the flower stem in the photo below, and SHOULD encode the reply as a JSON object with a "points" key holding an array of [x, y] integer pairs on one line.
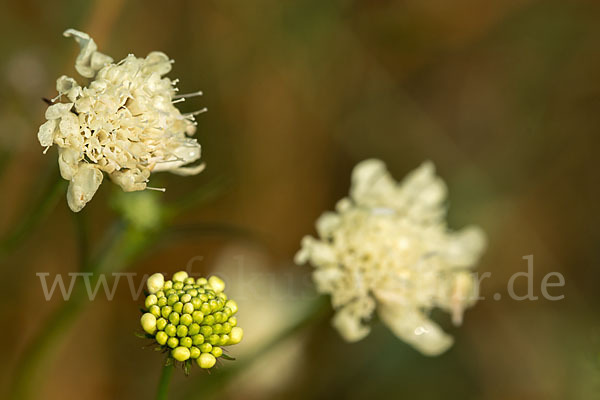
{"points": [[163, 384], [314, 312], [121, 246], [5, 158], [45, 203]]}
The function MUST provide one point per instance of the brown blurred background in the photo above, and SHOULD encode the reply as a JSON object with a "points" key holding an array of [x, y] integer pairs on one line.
{"points": [[504, 97]]}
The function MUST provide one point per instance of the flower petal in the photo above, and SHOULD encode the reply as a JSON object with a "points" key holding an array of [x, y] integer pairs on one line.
{"points": [[410, 325], [465, 247], [83, 63], [350, 325], [46, 133], [68, 162], [83, 186], [55, 111], [158, 62]]}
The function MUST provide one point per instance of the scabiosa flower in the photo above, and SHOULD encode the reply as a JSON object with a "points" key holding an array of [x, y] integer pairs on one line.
{"points": [[190, 318], [123, 123], [387, 249]]}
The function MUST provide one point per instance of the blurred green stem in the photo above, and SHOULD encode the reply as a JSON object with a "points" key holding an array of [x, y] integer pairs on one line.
{"points": [[202, 195], [5, 157], [121, 246], [313, 313], [83, 240], [44, 204], [163, 384]]}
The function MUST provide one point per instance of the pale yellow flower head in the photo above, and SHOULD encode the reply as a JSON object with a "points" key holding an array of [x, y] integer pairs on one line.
{"points": [[387, 249], [123, 123]]}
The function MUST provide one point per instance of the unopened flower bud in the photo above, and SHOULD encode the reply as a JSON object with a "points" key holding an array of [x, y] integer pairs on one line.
{"points": [[224, 340], [154, 310], [151, 300], [195, 352], [186, 298], [209, 320], [214, 339], [197, 340], [148, 323], [180, 276], [166, 311], [186, 341], [198, 316], [205, 309], [181, 353], [216, 284], [178, 307], [188, 308], [155, 282], [172, 299], [217, 352], [174, 318], [171, 330], [182, 331], [236, 335], [193, 329], [192, 319], [161, 338], [161, 323], [206, 330], [205, 347], [206, 360], [232, 305], [185, 319]]}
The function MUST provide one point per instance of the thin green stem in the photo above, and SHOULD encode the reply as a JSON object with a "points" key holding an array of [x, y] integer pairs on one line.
{"points": [[165, 378]]}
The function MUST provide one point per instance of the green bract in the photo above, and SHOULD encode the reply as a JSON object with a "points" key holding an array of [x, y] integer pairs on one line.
{"points": [[190, 318]]}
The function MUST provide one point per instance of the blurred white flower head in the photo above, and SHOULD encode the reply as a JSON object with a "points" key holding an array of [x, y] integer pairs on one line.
{"points": [[387, 249], [123, 123]]}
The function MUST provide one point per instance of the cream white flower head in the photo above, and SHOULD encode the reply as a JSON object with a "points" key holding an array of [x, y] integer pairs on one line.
{"points": [[123, 123], [387, 249]]}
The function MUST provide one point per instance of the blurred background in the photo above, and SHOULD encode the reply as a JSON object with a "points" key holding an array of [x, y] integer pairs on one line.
{"points": [[504, 97]]}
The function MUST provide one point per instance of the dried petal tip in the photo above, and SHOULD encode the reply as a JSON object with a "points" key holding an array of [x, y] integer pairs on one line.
{"points": [[123, 123], [388, 249]]}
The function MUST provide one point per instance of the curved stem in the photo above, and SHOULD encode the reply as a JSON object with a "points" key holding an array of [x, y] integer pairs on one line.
{"points": [[163, 384]]}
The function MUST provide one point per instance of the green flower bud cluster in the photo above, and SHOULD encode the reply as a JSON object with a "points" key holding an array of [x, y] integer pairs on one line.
{"points": [[191, 318]]}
